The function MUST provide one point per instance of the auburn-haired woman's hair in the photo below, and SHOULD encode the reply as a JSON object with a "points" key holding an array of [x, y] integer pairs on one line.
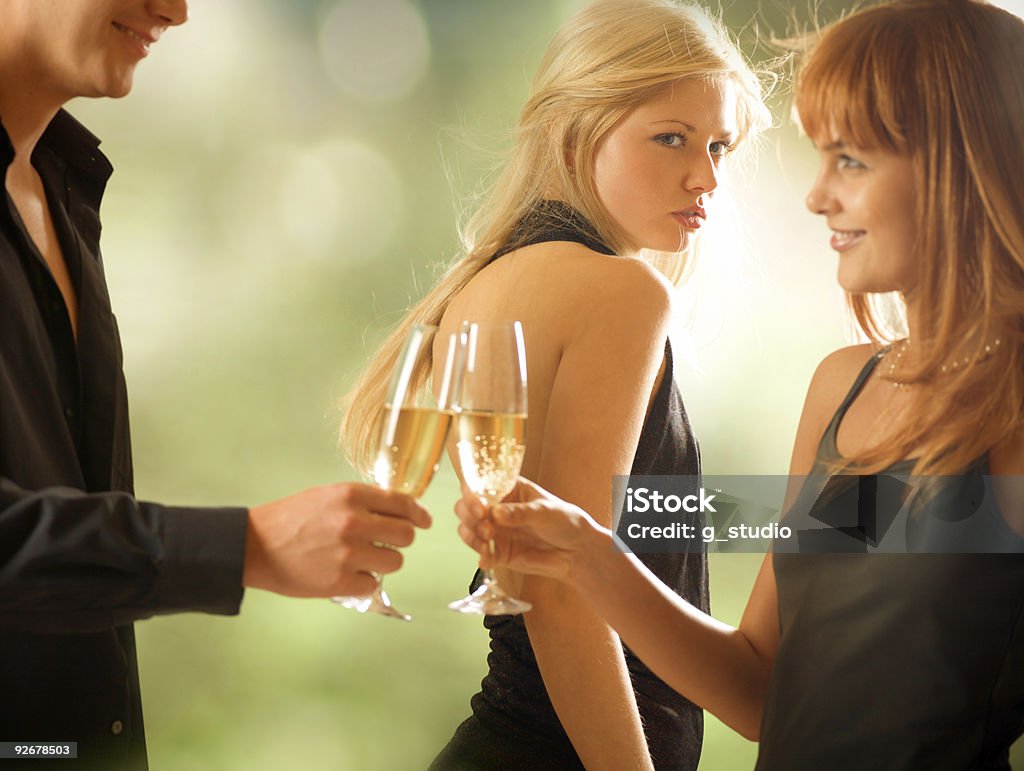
{"points": [[941, 82], [605, 60]]}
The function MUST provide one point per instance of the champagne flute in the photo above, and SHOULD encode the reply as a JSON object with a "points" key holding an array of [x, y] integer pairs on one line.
{"points": [[412, 435], [489, 407]]}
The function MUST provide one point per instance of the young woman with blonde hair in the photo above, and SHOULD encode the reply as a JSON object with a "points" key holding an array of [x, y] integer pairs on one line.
{"points": [[632, 114], [863, 660]]}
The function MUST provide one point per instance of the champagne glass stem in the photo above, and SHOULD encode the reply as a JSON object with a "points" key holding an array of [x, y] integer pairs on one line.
{"points": [[490, 599], [489, 577], [377, 602]]}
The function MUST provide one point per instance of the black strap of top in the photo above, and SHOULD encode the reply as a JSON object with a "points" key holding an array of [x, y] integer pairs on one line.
{"points": [[553, 221], [828, 450], [827, 447]]}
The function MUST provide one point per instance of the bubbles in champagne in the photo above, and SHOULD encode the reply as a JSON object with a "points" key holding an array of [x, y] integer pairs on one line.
{"points": [[411, 443], [491, 450]]}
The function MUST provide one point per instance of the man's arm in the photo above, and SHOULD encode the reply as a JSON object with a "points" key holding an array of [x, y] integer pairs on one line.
{"points": [[73, 562]]}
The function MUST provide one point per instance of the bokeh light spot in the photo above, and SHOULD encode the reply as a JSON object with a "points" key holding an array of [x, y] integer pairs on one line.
{"points": [[341, 200], [376, 51]]}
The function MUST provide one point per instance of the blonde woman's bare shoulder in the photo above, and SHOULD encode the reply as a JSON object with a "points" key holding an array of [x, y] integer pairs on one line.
{"points": [[571, 270], [573, 292]]}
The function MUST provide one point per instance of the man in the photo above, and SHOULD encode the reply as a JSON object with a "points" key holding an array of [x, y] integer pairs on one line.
{"points": [[80, 556]]}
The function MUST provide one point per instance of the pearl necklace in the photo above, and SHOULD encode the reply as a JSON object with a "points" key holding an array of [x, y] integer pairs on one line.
{"points": [[899, 348], [896, 354]]}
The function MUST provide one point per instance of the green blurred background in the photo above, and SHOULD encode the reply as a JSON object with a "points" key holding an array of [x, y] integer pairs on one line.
{"points": [[290, 176]]}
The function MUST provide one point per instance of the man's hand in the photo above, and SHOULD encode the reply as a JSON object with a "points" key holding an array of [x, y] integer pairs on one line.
{"points": [[326, 541], [532, 531]]}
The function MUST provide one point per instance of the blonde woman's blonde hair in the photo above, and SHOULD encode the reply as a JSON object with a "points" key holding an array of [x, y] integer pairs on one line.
{"points": [[607, 59], [941, 82]]}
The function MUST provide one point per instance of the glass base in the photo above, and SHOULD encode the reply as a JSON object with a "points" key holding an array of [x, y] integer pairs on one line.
{"points": [[490, 600], [378, 602]]}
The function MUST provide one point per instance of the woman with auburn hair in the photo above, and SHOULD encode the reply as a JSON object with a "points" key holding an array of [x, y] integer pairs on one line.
{"points": [[870, 660], [631, 117]]}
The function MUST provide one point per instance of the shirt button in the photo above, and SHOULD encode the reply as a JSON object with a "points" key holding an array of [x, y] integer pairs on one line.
{"points": [[69, 412], [116, 727]]}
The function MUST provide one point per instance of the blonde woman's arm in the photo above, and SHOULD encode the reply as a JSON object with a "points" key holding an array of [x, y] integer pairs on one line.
{"points": [[613, 336]]}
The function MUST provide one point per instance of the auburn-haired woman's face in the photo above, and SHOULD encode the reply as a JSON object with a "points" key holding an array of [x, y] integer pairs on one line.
{"points": [[868, 199], [656, 169]]}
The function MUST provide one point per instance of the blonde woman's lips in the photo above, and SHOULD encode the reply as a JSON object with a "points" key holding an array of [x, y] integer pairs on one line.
{"points": [[692, 219]]}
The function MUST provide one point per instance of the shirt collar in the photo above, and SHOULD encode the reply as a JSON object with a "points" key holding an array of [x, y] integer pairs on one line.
{"points": [[72, 142], [69, 141]]}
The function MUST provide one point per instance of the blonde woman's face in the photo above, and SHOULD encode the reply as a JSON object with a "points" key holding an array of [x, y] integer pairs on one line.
{"points": [[868, 199], [657, 168]]}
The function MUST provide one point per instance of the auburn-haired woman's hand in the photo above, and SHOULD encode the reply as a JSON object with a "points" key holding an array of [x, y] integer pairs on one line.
{"points": [[531, 530]]}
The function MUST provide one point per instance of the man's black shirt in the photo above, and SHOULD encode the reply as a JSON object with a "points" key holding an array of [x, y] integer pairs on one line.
{"points": [[80, 557]]}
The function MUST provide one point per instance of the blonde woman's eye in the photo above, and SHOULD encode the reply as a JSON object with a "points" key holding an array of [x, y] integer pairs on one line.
{"points": [[719, 149], [671, 140]]}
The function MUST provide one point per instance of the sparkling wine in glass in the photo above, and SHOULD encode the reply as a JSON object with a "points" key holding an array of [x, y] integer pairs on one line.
{"points": [[412, 435], [489, 407]]}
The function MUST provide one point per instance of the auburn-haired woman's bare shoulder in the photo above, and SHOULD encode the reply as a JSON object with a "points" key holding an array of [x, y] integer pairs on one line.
{"points": [[829, 385], [835, 374], [837, 371]]}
